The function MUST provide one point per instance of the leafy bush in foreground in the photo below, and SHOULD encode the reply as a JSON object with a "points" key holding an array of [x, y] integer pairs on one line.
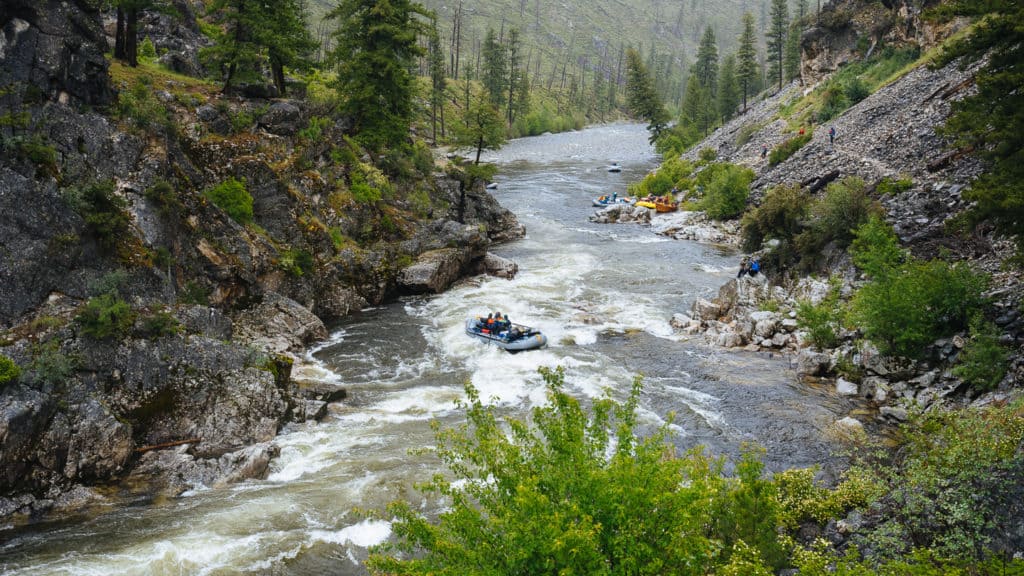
{"points": [[105, 316], [725, 195]]}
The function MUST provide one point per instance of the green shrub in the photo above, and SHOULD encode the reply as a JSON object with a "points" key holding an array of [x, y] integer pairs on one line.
{"points": [[904, 311], [833, 103], [422, 158], [296, 261], [157, 323], [232, 197], [726, 194], [147, 51], [36, 150], [855, 90], [745, 133], [892, 186], [875, 248], [314, 129], [783, 151], [983, 362], [109, 283], [50, 366], [103, 211], [821, 321], [953, 485], [844, 207], [241, 120], [708, 155], [163, 194], [781, 216], [105, 316], [141, 107], [9, 371], [677, 139]]}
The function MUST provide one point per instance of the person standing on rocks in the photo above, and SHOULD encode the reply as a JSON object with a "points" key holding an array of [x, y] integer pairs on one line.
{"points": [[764, 151], [831, 136]]}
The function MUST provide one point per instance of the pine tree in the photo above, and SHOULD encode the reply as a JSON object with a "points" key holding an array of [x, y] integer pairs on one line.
{"points": [[375, 52], [728, 88], [746, 65], [775, 39], [697, 105], [286, 36], [237, 50], [641, 96], [791, 61], [706, 66], [494, 76], [514, 71], [438, 81], [126, 32], [991, 121], [483, 127]]}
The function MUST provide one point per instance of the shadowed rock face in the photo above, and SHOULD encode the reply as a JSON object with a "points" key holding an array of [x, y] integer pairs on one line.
{"points": [[53, 50]]}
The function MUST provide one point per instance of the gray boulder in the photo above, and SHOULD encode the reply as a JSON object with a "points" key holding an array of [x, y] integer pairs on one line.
{"points": [[279, 324], [433, 272]]}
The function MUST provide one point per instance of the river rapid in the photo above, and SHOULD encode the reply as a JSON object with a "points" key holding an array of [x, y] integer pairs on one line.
{"points": [[603, 294]]}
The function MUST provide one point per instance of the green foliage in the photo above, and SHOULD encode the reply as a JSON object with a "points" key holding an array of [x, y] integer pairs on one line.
{"points": [[296, 261], [103, 211], [314, 129], [875, 248], [50, 366], [574, 493], [855, 89], [708, 155], [990, 121], [822, 320], [34, 149], [783, 151], [147, 51], [157, 323], [835, 218], [9, 371], [905, 310], [775, 41], [141, 107], [241, 120], [232, 197], [780, 216], [892, 186], [983, 363], [163, 194], [482, 127], [673, 173], [747, 68], [105, 316], [374, 69], [953, 486], [725, 195], [642, 97], [109, 283], [422, 158], [677, 139], [362, 191]]}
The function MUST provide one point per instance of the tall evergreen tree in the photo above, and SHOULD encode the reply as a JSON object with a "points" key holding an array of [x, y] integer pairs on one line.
{"points": [[747, 71], [728, 88], [706, 66], [775, 40], [438, 81], [697, 104], [286, 36], [375, 52], [642, 98], [237, 50], [494, 74], [791, 60], [126, 31], [514, 71], [483, 127], [991, 121]]}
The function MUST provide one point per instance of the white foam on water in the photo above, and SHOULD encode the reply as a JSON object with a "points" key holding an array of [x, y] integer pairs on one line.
{"points": [[364, 534]]}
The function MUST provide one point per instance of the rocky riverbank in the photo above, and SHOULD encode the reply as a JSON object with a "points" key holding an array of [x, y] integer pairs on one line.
{"points": [[155, 332]]}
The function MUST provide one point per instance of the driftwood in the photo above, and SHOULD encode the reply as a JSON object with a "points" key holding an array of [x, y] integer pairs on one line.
{"points": [[946, 159], [817, 183], [167, 445]]}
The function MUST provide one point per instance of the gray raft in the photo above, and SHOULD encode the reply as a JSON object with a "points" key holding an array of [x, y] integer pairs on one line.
{"points": [[517, 339]]}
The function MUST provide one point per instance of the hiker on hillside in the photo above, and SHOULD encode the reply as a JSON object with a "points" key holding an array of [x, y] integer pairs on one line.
{"points": [[744, 267], [831, 136], [764, 151]]}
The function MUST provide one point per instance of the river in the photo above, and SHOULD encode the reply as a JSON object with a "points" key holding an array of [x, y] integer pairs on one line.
{"points": [[603, 294]]}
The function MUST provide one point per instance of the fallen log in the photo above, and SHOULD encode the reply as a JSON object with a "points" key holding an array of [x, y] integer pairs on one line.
{"points": [[948, 158], [823, 181], [167, 445]]}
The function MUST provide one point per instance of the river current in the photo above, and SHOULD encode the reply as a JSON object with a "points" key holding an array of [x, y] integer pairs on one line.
{"points": [[603, 294]]}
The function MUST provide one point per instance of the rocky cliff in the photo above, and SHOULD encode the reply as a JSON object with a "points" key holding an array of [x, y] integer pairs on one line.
{"points": [[892, 134], [154, 328]]}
